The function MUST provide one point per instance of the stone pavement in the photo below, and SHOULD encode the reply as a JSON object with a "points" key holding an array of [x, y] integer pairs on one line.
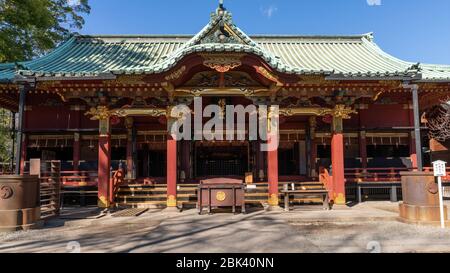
{"points": [[367, 227]]}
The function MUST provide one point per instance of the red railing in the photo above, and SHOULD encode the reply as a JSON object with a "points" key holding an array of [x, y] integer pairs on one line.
{"points": [[79, 178], [381, 174]]}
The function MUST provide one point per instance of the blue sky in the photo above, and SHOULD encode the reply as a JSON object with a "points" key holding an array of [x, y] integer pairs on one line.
{"points": [[413, 30]]}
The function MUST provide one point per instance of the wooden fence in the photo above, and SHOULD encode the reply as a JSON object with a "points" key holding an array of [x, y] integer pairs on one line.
{"points": [[50, 186]]}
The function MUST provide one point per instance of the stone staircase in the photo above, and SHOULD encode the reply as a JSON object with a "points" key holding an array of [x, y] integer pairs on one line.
{"points": [[154, 196]]}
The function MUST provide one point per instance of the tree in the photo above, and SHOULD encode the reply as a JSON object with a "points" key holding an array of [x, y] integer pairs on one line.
{"points": [[437, 120], [5, 139], [29, 28]]}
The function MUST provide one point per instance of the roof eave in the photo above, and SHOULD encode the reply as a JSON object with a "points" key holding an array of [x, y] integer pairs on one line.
{"points": [[434, 81], [341, 77]]}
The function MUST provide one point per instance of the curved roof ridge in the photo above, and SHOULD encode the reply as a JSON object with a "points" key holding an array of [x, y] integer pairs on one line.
{"points": [[376, 48], [435, 66], [52, 54]]}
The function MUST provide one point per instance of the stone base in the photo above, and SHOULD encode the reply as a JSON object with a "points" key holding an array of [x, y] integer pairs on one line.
{"points": [[424, 223], [421, 214], [340, 207], [171, 209], [274, 208], [24, 219]]}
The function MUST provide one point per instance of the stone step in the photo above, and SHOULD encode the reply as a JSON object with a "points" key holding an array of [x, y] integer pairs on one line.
{"points": [[193, 204], [262, 184]]}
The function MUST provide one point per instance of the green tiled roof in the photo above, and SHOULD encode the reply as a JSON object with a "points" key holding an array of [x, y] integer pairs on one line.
{"points": [[335, 56]]}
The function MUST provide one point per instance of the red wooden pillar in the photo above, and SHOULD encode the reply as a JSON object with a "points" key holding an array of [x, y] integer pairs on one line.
{"points": [[130, 156], [76, 151], [186, 159], [260, 166], [412, 151], [337, 162], [363, 150], [313, 159], [104, 165], [171, 172], [272, 172], [23, 153], [313, 145]]}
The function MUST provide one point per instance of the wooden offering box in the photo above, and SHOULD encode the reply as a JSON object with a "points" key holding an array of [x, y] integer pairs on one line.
{"points": [[221, 192]]}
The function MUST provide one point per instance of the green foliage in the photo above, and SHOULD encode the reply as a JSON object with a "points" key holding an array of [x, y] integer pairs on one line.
{"points": [[5, 137], [30, 28]]}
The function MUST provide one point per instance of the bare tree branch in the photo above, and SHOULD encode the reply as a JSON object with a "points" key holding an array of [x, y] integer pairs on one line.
{"points": [[437, 120]]}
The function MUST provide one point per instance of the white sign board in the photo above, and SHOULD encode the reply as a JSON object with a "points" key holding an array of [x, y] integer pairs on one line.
{"points": [[439, 168], [440, 171]]}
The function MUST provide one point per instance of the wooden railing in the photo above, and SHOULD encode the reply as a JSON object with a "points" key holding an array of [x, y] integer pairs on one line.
{"points": [[79, 178], [50, 185], [381, 174]]}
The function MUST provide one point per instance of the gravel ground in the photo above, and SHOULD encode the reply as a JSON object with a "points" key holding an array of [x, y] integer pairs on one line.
{"points": [[391, 237], [369, 227]]}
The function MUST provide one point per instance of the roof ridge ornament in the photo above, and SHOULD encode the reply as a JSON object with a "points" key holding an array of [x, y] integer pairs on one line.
{"points": [[415, 68], [221, 13], [369, 36]]}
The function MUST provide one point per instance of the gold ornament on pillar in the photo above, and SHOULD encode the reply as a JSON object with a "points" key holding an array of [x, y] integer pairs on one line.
{"points": [[103, 202], [171, 201], [99, 113], [273, 200], [103, 115], [339, 113], [271, 114], [129, 122]]}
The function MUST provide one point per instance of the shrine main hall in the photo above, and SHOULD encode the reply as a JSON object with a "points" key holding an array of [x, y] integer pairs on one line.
{"points": [[348, 112]]}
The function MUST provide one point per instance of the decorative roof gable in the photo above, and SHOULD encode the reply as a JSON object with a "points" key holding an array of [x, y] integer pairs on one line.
{"points": [[222, 30]]}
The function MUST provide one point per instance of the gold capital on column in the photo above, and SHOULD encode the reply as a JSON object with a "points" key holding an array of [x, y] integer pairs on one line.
{"points": [[171, 201], [103, 115], [339, 113], [103, 202], [273, 200], [99, 113]]}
